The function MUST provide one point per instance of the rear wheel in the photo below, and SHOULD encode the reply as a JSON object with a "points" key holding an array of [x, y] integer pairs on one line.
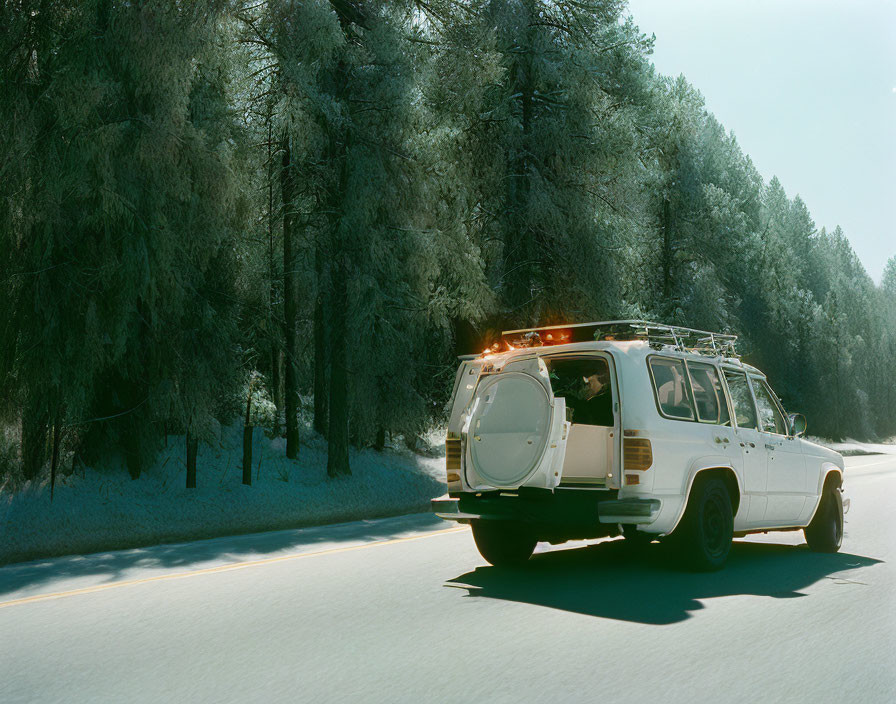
{"points": [[707, 527], [825, 532], [503, 544]]}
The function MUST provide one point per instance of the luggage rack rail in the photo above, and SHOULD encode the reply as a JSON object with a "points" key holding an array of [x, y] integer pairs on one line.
{"points": [[659, 335]]}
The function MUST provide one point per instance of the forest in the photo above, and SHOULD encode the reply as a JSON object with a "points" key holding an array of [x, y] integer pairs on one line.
{"points": [[300, 212]]}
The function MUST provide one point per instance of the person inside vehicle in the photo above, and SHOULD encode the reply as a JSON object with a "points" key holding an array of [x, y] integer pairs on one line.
{"points": [[592, 401]]}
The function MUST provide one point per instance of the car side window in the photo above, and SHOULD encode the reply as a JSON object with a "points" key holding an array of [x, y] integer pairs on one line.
{"points": [[708, 394], [770, 418], [671, 388], [741, 399]]}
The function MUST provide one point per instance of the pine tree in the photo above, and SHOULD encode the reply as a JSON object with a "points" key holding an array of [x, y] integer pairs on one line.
{"points": [[535, 98], [118, 233]]}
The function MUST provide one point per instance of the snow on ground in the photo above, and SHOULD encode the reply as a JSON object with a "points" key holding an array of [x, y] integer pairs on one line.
{"points": [[854, 447], [103, 509]]}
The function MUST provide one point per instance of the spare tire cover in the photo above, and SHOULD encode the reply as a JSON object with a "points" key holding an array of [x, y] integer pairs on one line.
{"points": [[509, 428]]}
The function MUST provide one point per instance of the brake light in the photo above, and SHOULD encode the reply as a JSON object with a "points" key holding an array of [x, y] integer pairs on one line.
{"points": [[452, 461], [452, 454], [637, 453]]}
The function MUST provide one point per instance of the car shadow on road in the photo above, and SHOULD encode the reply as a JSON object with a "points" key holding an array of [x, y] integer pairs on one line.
{"points": [[609, 580]]}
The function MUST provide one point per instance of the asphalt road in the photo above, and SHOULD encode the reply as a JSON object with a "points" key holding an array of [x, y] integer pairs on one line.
{"points": [[405, 610]]}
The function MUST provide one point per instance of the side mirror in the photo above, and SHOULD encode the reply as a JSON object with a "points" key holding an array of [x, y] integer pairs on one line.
{"points": [[797, 424]]}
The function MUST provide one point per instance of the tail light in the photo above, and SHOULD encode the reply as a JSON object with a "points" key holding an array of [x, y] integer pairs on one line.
{"points": [[452, 462], [637, 453]]}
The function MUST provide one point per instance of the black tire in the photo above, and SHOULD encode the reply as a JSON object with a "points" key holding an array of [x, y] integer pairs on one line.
{"points": [[503, 544], [703, 537], [825, 532]]}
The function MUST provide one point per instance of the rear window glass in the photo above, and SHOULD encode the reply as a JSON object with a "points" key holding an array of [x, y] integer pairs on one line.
{"points": [[585, 384], [671, 387], [708, 395], [741, 399]]}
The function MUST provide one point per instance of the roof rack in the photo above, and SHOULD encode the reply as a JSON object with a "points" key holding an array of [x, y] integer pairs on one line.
{"points": [[658, 335]]}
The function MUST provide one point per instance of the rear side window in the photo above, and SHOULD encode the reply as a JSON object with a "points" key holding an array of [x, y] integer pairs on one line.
{"points": [[671, 387], [770, 418], [708, 394], [741, 399]]}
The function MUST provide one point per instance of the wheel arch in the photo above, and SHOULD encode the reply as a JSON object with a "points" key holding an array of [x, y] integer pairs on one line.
{"points": [[830, 474], [700, 472]]}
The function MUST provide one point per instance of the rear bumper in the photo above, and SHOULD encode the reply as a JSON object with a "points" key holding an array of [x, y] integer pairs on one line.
{"points": [[546, 508], [629, 510], [449, 509]]}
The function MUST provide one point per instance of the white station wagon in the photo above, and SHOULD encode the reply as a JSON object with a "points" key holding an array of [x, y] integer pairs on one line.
{"points": [[648, 430]]}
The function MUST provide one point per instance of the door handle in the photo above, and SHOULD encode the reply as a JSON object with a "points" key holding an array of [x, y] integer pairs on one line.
{"points": [[770, 447], [752, 444]]}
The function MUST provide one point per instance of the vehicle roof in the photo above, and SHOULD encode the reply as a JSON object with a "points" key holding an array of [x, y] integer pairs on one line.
{"points": [[627, 348]]}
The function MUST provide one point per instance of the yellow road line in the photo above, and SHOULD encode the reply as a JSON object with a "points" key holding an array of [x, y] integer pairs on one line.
{"points": [[222, 568]]}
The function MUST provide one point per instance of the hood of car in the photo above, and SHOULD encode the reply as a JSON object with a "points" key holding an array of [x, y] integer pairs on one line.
{"points": [[811, 449]]}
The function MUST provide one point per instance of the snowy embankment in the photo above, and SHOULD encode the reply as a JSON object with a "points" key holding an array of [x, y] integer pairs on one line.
{"points": [[103, 509], [849, 447]]}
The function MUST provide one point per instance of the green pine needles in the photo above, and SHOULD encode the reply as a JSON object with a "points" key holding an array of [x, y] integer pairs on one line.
{"points": [[334, 198]]}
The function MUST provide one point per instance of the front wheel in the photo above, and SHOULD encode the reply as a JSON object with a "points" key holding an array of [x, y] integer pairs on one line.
{"points": [[707, 527], [825, 532], [503, 544]]}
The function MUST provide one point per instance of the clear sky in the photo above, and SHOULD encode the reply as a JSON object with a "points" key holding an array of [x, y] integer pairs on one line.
{"points": [[809, 89]]}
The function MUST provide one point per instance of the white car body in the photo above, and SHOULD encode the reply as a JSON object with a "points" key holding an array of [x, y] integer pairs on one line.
{"points": [[775, 479]]}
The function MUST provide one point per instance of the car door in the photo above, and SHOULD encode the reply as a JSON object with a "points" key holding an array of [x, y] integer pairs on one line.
{"points": [[713, 410], [751, 443], [515, 430], [464, 386], [786, 466]]}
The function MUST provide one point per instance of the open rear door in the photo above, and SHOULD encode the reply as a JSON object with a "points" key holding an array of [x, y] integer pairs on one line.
{"points": [[515, 431], [464, 386]]}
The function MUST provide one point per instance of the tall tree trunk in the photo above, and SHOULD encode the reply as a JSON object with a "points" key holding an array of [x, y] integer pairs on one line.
{"points": [[667, 258], [277, 382], [34, 442], [133, 451], [520, 251], [192, 449], [290, 291], [273, 329], [337, 439], [379, 444], [321, 356], [337, 426], [247, 441], [465, 337], [54, 463]]}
